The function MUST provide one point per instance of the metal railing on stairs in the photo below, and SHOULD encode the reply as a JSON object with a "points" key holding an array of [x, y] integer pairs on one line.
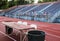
{"points": [[31, 9], [53, 17], [46, 7]]}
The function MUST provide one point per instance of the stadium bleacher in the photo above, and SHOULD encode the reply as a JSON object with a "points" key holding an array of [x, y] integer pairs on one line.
{"points": [[32, 12]]}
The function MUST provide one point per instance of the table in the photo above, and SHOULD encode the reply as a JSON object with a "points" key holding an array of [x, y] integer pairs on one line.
{"points": [[17, 26]]}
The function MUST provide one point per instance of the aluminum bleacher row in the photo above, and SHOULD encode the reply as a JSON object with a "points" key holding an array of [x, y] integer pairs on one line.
{"points": [[42, 12]]}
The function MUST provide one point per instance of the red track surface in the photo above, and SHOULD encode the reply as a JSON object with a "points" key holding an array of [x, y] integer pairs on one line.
{"points": [[52, 30], [4, 37]]}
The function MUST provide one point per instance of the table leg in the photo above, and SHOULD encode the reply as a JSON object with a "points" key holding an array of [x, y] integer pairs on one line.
{"points": [[8, 30]]}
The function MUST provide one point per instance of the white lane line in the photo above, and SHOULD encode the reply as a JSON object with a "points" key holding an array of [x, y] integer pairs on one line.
{"points": [[8, 36]]}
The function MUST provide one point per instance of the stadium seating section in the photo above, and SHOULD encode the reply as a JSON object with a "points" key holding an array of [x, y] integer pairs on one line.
{"points": [[46, 12]]}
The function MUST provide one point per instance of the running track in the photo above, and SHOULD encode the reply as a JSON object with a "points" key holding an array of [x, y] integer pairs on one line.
{"points": [[52, 30]]}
